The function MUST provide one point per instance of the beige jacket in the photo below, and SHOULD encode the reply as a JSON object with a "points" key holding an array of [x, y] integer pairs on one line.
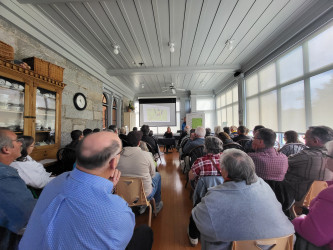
{"points": [[137, 163]]}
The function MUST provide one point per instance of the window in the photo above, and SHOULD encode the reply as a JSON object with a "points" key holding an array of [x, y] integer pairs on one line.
{"points": [[114, 112], [207, 104], [227, 113], [105, 111], [294, 91], [320, 50]]}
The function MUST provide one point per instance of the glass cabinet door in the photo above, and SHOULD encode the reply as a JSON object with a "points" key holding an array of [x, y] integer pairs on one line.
{"points": [[45, 117], [11, 104]]}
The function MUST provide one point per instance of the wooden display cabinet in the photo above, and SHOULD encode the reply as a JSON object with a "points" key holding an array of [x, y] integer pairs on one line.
{"points": [[30, 104]]}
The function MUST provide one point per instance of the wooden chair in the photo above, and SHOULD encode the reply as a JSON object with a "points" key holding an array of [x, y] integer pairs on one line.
{"points": [[282, 243], [131, 190], [315, 189]]}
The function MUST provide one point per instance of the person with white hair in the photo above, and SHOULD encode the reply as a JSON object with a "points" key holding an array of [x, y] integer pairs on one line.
{"points": [[196, 139], [217, 130], [244, 207]]}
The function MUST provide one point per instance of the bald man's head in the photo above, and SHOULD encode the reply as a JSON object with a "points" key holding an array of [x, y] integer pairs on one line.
{"points": [[97, 149]]}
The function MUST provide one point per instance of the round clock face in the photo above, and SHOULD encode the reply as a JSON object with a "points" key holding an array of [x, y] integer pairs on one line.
{"points": [[80, 101]]}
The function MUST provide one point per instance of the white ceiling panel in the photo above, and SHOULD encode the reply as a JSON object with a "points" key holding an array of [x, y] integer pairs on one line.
{"points": [[144, 28]]}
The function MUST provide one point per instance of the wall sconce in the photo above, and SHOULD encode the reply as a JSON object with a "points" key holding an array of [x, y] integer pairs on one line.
{"points": [[172, 47], [230, 44], [116, 49]]}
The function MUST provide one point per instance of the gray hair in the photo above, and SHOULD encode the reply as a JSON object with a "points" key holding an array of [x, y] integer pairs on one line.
{"points": [[98, 159], [217, 130], [122, 131], [329, 146], [322, 133], [239, 166], [200, 131], [4, 139], [213, 145]]}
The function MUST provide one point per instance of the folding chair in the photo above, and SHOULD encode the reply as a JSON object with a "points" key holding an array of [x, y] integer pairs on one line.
{"points": [[131, 190], [315, 189], [282, 243]]}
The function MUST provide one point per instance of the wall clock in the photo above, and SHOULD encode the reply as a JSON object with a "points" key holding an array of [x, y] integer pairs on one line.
{"points": [[80, 101]]}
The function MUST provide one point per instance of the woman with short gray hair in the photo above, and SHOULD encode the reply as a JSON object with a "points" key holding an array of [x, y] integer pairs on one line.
{"points": [[209, 164]]}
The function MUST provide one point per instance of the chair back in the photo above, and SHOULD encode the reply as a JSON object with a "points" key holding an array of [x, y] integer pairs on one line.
{"points": [[282, 243], [315, 189], [196, 153], [132, 191]]}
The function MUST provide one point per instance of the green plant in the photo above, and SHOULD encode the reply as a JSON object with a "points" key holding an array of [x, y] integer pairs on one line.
{"points": [[131, 105]]}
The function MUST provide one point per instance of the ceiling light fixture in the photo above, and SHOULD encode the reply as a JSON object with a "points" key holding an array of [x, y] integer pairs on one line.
{"points": [[172, 47], [116, 49], [142, 85], [230, 44]]}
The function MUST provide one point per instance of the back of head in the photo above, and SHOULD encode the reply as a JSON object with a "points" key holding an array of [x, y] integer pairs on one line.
{"points": [[96, 130], [192, 130], [96, 149], [113, 128], [226, 130], [27, 142], [135, 129], [322, 133], [213, 145], [233, 128], [208, 132], [5, 140], [242, 130], [187, 129], [223, 136], [133, 138], [200, 131], [239, 166], [75, 134], [122, 131], [291, 136], [217, 130], [145, 129], [87, 131], [256, 128], [268, 136]]}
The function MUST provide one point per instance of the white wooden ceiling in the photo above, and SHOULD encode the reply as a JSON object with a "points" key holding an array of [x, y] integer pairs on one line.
{"points": [[144, 28]]}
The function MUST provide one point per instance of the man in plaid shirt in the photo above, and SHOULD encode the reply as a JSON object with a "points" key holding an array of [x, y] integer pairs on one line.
{"points": [[270, 165], [204, 166], [311, 163]]}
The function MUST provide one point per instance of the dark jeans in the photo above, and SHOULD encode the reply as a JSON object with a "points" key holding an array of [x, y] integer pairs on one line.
{"points": [[142, 238], [193, 230]]}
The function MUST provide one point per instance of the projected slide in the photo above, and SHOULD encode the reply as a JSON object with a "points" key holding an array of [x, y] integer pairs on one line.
{"points": [[156, 113]]}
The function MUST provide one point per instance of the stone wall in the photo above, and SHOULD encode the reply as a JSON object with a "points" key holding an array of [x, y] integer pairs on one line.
{"points": [[76, 80]]}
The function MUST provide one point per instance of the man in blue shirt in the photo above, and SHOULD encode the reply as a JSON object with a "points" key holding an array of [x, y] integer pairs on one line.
{"points": [[16, 200], [77, 210]]}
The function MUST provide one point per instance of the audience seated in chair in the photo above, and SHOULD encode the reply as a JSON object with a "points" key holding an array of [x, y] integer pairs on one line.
{"points": [[16, 202], [32, 172], [243, 207], [233, 132], [228, 142], [80, 202], [208, 165], [135, 162], [149, 139], [242, 137], [270, 165], [167, 134], [248, 145], [196, 139], [310, 164], [293, 145], [217, 130]]}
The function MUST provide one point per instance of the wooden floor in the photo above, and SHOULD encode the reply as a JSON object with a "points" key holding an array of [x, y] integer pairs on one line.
{"points": [[170, 225]]}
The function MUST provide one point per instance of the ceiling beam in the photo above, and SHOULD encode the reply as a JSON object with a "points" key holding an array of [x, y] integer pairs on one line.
{"points": [[175, 70]]}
